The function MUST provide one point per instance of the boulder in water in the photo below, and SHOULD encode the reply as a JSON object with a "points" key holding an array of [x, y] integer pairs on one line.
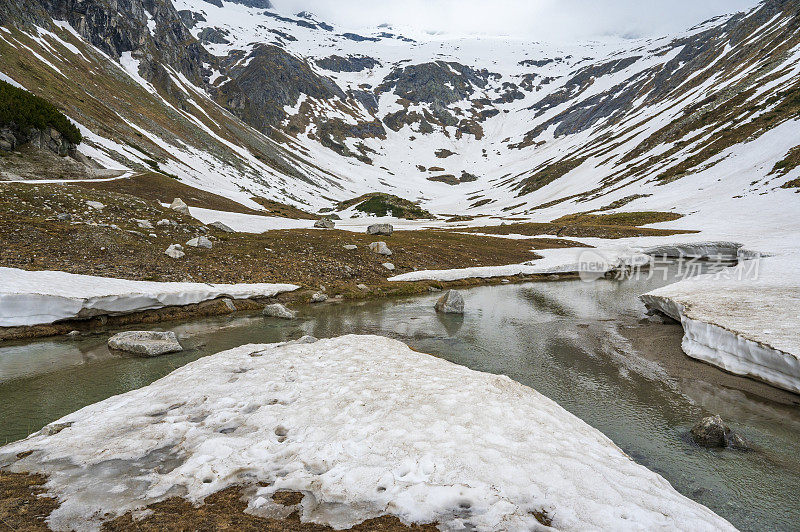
{"points": [[451, 302], [276, 310], [319, 297], [146, 343], [713, 432]]}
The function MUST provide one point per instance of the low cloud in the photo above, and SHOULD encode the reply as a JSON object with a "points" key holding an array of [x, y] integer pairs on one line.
{"points": [[549, 20]]}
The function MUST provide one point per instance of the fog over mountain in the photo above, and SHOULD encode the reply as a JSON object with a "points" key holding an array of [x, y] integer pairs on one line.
{"points": [[551, 20]]}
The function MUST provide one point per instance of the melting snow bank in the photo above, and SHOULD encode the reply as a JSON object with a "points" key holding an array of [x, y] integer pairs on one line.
{"points": [[554, 261], [41, 297], [744, 320], [363, 426]]}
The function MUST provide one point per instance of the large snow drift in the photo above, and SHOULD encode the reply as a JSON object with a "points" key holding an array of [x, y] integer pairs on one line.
{"points": [[39, 297], [744, 319], [364, 426]]}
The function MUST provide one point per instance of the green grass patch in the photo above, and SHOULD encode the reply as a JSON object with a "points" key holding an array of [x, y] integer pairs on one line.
{"points": [[22, 110], [381, 204], [625, 219]]}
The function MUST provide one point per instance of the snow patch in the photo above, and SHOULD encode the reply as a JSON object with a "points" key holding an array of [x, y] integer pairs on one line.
{"points": [[364, 426]]}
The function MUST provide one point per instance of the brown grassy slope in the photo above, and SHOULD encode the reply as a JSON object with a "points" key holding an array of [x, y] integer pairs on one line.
{"points": [[109, 242]]}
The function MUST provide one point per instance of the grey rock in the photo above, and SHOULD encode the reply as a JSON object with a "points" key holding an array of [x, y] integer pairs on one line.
{"points": [[64, 217], [362, 287], [713, 432], [277, 310], [96, 205], [179, 206], [222, 227], [324, 223], [54, 428], [165, 222], [175, 251], [305, 339], [200, 242], [350, 247], [380, 248], [147, 343], [144, 224], [388, 265], [451, 302], [319, 297], [380, 229]]}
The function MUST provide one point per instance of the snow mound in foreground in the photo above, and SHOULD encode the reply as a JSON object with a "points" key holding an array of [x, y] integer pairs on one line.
{"points": [[39, 297], [364, 426], [744, 320]]}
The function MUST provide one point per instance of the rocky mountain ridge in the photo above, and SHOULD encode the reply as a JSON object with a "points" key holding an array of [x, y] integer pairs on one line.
{"points": [[289, 107]]}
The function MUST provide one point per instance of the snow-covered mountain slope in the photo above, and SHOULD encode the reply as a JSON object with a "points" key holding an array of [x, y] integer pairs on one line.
{"points": [[247, 101]]}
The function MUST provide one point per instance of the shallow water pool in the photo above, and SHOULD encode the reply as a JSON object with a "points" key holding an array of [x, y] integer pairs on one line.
{"points": [[588, 346]]}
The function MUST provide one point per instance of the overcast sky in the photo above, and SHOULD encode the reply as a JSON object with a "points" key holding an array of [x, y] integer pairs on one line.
{"points": [[538, 19]]}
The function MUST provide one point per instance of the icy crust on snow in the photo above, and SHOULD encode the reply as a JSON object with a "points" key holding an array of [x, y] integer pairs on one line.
{"points": [[40, 297], [553, 261], [363, 426], [744, 320]]}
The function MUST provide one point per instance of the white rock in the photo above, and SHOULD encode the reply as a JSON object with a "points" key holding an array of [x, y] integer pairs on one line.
{"points": [[380, 229], [324, 223], [179, 206], [362, 287], [96, 205], [319, 297], [175, 251], [144, 224], [380, 248], [451, 302], [350, 247], [199, 242], [165, 222], [147, 343], [388, 266], [276, 310]]}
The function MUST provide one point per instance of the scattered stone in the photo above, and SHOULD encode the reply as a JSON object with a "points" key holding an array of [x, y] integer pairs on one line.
{"points": [[164, 222], [73, 334], [144, 224], [199, 242], [179, 206], [276, 310], [380, 248], [324, 223], [64, 217], [175, 251], [222, 227], [713, 432], [319, 297], [96, 205], [451, 302], [434, 289], [388, 265], [350, 247], [380, 229], [504, 281], [147, 343], [362, 287]]}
